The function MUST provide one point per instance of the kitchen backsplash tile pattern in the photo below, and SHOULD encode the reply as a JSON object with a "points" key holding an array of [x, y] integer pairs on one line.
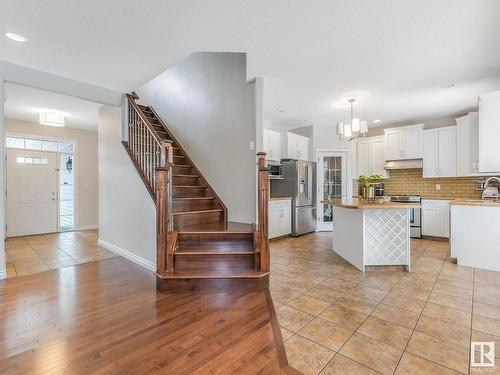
{"points": [[410, 181]]}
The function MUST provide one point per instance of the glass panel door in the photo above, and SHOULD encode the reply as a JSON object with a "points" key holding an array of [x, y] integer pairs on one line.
{"points": [[66, 192], [332, 185]]}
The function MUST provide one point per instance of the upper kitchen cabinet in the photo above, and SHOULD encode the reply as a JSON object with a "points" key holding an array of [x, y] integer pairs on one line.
{"points": [[371, 156], [403, 143], [489, 132], [468, 144], [440, 152], [272, 144], [298, 146]]}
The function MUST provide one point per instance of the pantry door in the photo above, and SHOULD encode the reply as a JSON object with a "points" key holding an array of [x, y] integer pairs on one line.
{"points": [[31, 192], [332, 182]]}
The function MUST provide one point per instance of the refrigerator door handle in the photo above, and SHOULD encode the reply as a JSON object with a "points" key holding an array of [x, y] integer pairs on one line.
{"points": [[309, 181]]}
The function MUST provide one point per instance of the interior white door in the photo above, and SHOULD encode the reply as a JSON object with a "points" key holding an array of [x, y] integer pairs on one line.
{"points": [[31, 192], [332, 183]]}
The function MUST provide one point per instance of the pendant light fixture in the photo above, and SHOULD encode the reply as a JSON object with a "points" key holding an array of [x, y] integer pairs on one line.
{"points": [[355, 128]]}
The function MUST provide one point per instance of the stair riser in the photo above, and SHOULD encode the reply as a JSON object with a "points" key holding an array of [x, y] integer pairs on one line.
{"points": [[212, 285], [183, 170], [198, 218], [244, 240], [179, 192], [213, 262], [195, 205], [187, 181]]}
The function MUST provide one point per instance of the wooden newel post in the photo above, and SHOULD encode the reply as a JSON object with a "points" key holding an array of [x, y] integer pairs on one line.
{"points": [[263, 197], [163, 191]]}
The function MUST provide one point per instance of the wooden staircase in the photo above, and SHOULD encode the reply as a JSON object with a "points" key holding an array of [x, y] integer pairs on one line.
{"points": [[197, 248]]}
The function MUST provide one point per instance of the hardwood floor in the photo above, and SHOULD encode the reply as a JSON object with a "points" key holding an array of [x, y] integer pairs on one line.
{"points": [[106, 317]]}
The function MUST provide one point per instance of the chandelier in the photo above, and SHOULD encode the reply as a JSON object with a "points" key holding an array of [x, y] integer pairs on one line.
{"points": [[354, 129]]}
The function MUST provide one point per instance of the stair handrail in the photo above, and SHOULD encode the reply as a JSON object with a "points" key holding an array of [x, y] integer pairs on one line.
{"points": [[131, 100], [263, 218]]}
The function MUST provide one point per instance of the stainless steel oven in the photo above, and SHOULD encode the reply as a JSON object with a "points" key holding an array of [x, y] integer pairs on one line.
{"points": [[415, 213]]}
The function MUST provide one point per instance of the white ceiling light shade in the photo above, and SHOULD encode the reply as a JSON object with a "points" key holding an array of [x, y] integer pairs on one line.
{"points": [[363, 127], [376, 121], [16, 37], [355, 128], [355, 125], [51, 118]]}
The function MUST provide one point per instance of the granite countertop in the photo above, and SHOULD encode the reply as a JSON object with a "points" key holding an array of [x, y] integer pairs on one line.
{"points": [[279, 198], [475, 202], [357, 203]]}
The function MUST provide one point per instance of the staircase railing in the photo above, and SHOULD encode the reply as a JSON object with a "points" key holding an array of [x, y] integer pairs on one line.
{"points": [[144, 144], [262, 238], [154, 160]]}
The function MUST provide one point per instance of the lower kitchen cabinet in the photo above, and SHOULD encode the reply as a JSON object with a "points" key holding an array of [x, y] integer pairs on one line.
{"points": [[280, 217], [436, 218]]}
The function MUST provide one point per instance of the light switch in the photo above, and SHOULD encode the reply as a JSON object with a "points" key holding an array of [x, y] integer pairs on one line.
{"points": [[252, 146], [438, 186]]}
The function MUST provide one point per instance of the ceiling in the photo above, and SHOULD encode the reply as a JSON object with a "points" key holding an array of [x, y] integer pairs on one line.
{"points": [[25, 103], [309, 52]]}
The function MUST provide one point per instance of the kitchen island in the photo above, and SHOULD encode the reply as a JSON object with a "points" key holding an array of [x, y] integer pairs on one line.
{"points": [[371, 233], [475, 233]]}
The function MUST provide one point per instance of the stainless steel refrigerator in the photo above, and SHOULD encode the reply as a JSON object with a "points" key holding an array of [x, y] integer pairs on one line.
{"points": [[298, 182]]}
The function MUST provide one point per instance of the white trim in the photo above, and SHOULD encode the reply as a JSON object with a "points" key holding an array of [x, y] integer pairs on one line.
{"points": [[86, 227], [3, 274], [128, 255]]}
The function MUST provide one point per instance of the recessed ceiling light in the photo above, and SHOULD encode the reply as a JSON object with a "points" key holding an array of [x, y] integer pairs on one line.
{"points": [[448, 85], [376, 121], [16, 37]]}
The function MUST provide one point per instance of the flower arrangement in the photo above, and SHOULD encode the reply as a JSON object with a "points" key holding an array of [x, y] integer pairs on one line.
{"points": [[368, 182]]}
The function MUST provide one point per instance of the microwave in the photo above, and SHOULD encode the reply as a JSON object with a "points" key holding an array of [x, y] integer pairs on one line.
{"points": [[275, 170]]}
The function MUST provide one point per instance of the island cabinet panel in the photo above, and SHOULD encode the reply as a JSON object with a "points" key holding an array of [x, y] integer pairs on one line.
{"points": [[387, 236]]}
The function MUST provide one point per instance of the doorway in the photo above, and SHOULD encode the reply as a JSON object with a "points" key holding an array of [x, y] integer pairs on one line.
{"points": [[332, 183], [40, 186]]}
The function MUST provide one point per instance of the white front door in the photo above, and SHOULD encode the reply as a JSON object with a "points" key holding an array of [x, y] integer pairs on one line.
{"points": [[31, 192], [332, 183]]}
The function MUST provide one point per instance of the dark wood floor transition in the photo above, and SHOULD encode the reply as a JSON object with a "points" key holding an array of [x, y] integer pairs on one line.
{"points": [[106, 317]]}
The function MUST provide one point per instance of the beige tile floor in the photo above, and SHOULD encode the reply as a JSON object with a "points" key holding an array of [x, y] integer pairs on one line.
{"points": [[335, 320], [33, 254]]}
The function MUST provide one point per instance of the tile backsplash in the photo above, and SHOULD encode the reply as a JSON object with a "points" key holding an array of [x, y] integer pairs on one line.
{"points": [[410, 181]]}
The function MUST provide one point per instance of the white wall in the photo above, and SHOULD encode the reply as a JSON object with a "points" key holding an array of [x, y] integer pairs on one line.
{"points": [[86, 164], [127, 214], [210, 108]]}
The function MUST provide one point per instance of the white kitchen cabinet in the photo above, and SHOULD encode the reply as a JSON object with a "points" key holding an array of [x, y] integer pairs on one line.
{"points": [[298, 146], [440, 152], [280, 217], [403, 143], [371, 156], [468, 144], [436, 218], [272, 144], [489, 132]]}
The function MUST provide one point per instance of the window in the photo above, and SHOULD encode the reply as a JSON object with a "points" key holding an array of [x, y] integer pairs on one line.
{"points": [[23, 160], [37, 144], [66, 191]]}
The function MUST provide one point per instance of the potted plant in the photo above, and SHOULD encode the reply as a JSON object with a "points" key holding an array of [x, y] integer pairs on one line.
{"points": [[367, 183]]}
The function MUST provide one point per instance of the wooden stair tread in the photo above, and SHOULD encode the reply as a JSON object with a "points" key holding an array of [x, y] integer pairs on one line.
{"points": [[185, 175], [214, 275], [214, 252], [230, 246], [198, 211], [229, 227]]}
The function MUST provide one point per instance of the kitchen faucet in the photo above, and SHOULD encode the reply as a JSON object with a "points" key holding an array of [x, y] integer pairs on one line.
{"points": [[490, 192]]}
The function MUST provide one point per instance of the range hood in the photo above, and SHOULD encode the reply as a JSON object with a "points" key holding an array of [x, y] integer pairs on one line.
{"points": [[404, 164]]}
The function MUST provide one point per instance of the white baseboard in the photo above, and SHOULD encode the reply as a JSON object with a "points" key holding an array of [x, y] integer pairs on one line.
{"points": [[86, 227], [128, 255], [3, 274]]}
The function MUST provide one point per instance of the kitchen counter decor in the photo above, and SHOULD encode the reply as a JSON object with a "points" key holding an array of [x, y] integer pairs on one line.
{"points": [[368, 186]]}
